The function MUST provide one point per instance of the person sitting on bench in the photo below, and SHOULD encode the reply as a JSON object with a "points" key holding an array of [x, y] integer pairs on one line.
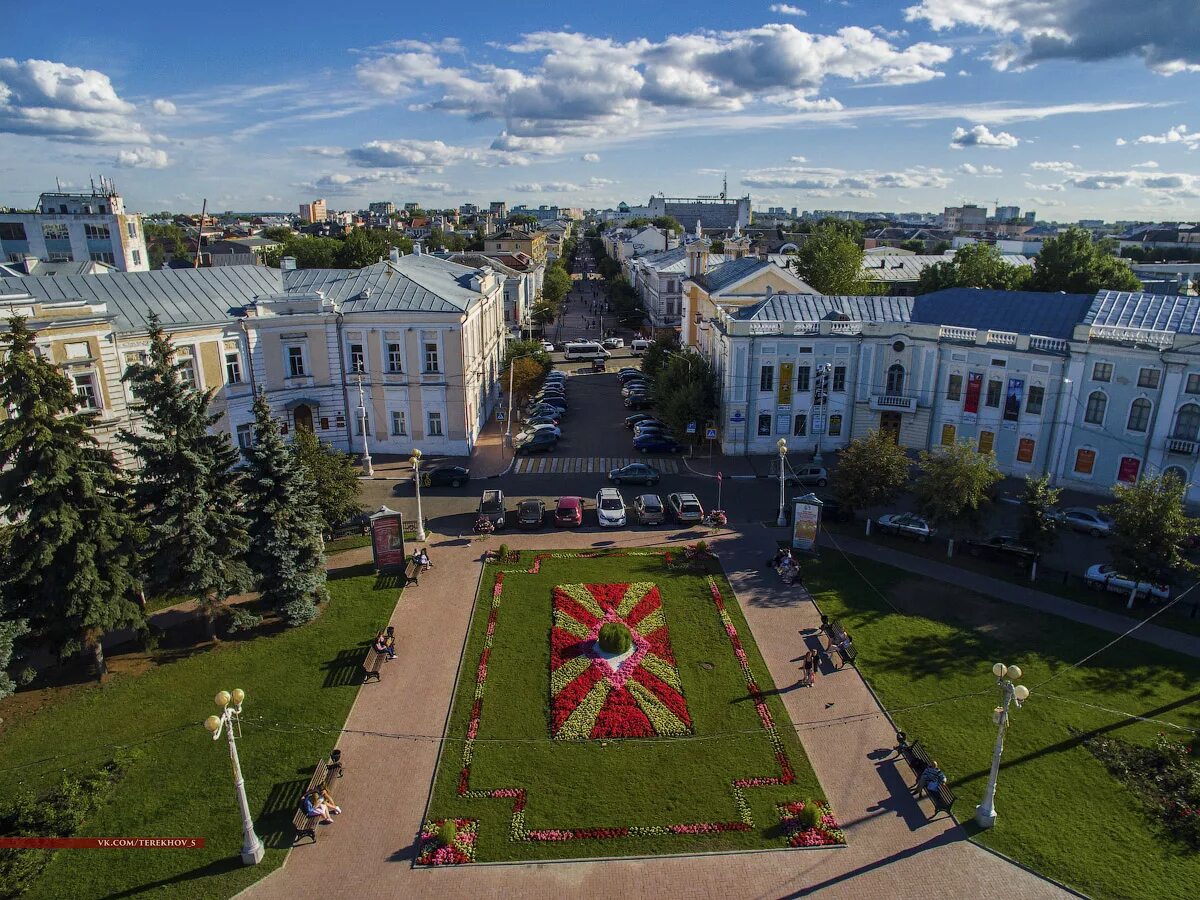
{"points": [[389, 643], [421, 558], [380, 645], [314, 806], [327, 799], [932, 778]]}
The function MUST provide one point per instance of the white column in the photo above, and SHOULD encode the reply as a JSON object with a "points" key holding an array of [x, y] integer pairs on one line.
{"points": [[1164, 416]]}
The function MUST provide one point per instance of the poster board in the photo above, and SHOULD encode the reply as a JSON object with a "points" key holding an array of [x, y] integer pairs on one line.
{"points": [[806, 523], [387, 540]]}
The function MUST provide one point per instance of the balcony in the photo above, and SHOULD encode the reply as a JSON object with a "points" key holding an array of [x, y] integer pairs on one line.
{"points": [[1181, 446], [893, 403]]}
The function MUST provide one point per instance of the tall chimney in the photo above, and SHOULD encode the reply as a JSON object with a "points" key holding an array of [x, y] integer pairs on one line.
{"points": [[394, 255]]}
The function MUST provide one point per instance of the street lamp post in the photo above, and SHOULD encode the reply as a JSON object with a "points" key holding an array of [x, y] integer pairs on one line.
{"points": [[362, 424], [823, 374], [783, 452], [985, 813], [415, 459], [252, 848]]}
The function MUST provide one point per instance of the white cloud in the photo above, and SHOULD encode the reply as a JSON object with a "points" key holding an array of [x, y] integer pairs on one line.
{"points": [[1121, 142], [982, 136], [164, 107], [1144, 177], [407, 154], [1148, 164], [590, 157], [843, 181], [142, 158], [786, 9], [545, 187], [1163, 33], [340, 183], [1054, 165], [1176, 134], [981, 171]]}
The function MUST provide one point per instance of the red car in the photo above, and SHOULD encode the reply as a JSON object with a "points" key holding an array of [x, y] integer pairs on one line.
{"points": [[568, 513]]}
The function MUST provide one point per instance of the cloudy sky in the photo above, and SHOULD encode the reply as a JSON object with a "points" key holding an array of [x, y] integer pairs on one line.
{"points": [[1075, 108]]}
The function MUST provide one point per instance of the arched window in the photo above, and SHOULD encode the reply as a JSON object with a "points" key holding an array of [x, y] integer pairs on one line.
{"points": [[1139, 415], [895, 380], [1097, 405], [1187, 422]]}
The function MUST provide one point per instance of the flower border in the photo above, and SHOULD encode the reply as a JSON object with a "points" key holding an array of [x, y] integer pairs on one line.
{"points": [[462, 851], [519, 797], [827, 834]]}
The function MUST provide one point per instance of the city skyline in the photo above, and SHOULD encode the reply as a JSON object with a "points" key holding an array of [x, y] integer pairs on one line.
{"points": [[1064, 108]]}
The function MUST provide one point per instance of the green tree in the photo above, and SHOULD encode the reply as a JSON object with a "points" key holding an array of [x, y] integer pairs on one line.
{"points": [[286, 550], [514, 349], [1074, 263], [685, 390], [334, 477], [523, 376], [670, 223], [556, 284], [1150, 527], [156, 256], [955, 483], [542, 313], [975, 265], [831, 262], [872, 471], [70, 565], [11, 631], [188, 499], [1039, 527], [656, 355]]}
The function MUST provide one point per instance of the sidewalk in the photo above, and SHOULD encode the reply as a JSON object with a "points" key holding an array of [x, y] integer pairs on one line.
{"points": [[1167, 638]]}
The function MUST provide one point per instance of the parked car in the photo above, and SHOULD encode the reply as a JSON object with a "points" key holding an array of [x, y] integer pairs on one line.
{"points": [[546, 426], [809, 476], [630, 375], [531, 513], [638, 401], [613, 343], [542, 420], [907, 525], [635, 472], [648, 509], [552, 400], [536, 442], [1088, 521], [1002, 548], [637, 419], [685, 508], [635, 387], [547, 346], [568, 512], [638, 346], [1106, 578], [491, 507], [454, 476], [610, 508], [653, 427], [539, 409], [656, 443]]}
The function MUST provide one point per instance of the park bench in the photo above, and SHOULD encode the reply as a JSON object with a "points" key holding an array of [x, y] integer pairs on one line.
{"points": [[412, 571], [322, 777], [372, 663], [918, 760], [840, 640]]}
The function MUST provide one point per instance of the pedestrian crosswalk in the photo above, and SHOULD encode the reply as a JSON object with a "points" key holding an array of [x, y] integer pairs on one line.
{"points": [[586, 465]]}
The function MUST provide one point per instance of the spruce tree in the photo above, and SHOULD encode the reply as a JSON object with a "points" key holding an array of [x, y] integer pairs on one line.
{"points": [[334, 476], [286, 550], [70, 565], [188, 497]]}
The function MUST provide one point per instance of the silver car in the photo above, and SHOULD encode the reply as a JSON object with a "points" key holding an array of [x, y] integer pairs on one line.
{"points": [[906, 524], [648, 509], [1088, 521]]}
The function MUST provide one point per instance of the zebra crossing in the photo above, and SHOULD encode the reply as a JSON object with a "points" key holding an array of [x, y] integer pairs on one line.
{"points": [[584, 465]]}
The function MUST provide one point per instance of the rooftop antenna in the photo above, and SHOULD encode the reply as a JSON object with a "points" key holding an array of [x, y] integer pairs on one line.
{"points": [[724, 185], [200, 234], [57, 184]]}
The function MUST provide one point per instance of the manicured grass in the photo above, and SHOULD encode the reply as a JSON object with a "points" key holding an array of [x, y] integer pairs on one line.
{"points": [[623, 782], [349, 542], [181, 785], [1060, 812]]}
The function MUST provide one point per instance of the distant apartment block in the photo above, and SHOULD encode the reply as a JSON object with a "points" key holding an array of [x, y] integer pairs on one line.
{"points": [[313, 212], [1007, 213], [382, 208], [965, 218]]}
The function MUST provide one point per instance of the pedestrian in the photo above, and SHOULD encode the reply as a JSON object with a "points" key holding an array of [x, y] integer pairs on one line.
{"points": [[807, 665]]}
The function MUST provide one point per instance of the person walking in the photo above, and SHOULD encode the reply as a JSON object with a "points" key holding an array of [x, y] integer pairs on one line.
{"points": [[807, 667]]}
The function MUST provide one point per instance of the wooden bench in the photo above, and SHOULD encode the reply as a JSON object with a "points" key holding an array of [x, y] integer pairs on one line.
{"points": [[840, 640], [918, 760], [372, 663], [322, 777], [412, 571]]}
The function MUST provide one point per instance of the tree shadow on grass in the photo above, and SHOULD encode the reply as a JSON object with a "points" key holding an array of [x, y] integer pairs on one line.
{"points": [[345, 668], [216, 867], [358, 571], [930, 654]]}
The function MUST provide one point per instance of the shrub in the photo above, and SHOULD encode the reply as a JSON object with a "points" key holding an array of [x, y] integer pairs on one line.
{"points": [[615, 638], [1165, 776], [810, 815], [242, 619], [702, 548], [447, 832], [502, 553]]}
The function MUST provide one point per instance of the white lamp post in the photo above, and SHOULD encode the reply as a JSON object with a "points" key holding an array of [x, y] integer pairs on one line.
{"points": [[362, 424], [985, 813], [783, 452], [824, 373], [415, 459], [252, 848]]}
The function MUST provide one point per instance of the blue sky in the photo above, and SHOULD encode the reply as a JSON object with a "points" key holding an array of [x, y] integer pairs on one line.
{"points": [[1075, 108]]}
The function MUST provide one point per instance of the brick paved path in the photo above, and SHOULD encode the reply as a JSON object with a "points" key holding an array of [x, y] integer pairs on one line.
{"points": [[893, 852]]}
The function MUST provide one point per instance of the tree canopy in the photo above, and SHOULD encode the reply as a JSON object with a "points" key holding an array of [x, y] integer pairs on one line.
{"points": [[871, 471], [1150, 527], [334, 477], [1074, 263], [977, 265], [831, 262], [685, 390], [1038, 526], [955, 483]]}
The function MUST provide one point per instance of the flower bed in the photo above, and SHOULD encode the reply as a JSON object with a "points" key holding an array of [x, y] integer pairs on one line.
{"points": [[461, 850], [826, 833]]}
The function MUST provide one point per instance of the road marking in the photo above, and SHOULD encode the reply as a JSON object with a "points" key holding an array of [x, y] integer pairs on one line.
{"points": [[576, 465]]}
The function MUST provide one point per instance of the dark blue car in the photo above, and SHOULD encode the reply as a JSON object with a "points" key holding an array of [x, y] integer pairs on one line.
{"points": [[656, 443]]}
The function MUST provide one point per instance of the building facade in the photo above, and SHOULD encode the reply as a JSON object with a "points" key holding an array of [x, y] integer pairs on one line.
{"points": [[69, 227], [517, 240], [313, 212]]}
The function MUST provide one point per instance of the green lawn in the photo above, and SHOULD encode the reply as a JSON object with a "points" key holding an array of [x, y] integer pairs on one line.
{"points": [[181, 785], [1060, 812], [614, 783]]}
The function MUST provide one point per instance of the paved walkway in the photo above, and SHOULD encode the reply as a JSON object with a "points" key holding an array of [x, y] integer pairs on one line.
{"points": [[1167, 638], [894, 851]]}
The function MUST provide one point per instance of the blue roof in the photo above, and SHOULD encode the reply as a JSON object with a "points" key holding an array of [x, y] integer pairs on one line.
{"points": [[1156, 312], [1025, 312], [814, 307]]}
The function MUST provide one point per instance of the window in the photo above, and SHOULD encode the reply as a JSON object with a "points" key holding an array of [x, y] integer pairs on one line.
{"points": [[895, 380], [186, 366], [1193, 384], [766, 378], [1097, 405], [987, 440], [954, 387], [949, 434], [835, 425], [839, 379], [1000, 363], [1148, 378], [394, 358], [800, 428], [358, 360], [59, 256], [1187, 423], [245, 436], [993, 393], [1102, 372], [1035, 400], [764, 423], [431, 356], [296, 368], [12, 231], [137, 257], [97, 232], [233, 368], [55, 231], [131, 229], [803, 375], [398, 426], [1139, 414], [85, 390], [104, 256], [435, 424], [1085, 461]]}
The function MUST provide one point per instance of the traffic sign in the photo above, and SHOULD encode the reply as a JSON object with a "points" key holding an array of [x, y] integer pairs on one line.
{"points": [[720, 477], [711, 434], [499, 415], [691, 427]]}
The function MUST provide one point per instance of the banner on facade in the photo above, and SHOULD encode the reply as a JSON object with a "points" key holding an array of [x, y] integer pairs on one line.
{"points": [[974, 388], [1012, 400], [1025, 450], [785, 383], [806, 523], [1127, 473]]}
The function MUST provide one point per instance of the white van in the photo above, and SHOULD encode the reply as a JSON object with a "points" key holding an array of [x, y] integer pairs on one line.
{"points": [[585, 350], [639, 346]]}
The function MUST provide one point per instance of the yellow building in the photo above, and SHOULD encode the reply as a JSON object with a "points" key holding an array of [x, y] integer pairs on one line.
{"points": [[517, 240]]}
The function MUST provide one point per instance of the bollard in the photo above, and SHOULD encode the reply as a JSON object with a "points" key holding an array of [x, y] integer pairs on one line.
{"points": [[949, 548], [1033, 571], [868, 526]]}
